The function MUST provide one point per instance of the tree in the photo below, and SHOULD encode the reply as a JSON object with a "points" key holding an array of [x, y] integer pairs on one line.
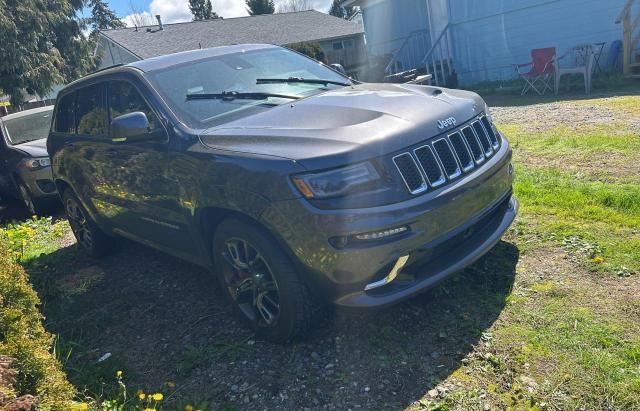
{"points": [[312, 50], [338, 11], [202, 10], [289, 6], [42, 45], [102, 17], [138, 17], [257, 7]]}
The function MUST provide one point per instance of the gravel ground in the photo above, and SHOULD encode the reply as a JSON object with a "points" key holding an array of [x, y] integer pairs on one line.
{"points": [[573, 114], [163, 320]]}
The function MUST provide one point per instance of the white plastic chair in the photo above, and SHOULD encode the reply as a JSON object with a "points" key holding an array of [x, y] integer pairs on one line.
{"points": [[582, 63]]}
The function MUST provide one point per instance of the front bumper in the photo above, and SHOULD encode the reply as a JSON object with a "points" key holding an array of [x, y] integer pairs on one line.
{"points": [[39, 182], [433, 263], [449, 229]]}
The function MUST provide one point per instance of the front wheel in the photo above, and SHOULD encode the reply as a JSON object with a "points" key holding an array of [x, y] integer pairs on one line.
{"points": [[89, 236], [261, 282]]}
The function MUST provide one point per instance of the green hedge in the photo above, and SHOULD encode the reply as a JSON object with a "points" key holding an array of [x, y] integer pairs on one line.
{"points": [[23, 338]]}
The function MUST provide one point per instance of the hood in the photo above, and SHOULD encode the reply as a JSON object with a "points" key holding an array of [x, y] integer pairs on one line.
{"points": [[347, 124], [35, 148]]}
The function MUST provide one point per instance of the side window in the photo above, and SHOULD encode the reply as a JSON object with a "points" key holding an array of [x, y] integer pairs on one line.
{"points": [[124, 98], [64, 115], [91, 114]]}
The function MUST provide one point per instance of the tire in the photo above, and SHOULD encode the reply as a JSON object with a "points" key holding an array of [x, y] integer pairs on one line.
{"points": [[34, 205], [90, 237], [261, 282]]}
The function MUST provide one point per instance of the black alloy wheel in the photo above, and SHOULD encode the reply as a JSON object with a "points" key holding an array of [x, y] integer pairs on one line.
{"points": [[250, 282], [262, 282]]}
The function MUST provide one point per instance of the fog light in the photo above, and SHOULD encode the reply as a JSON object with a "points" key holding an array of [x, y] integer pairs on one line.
{"points": [[381, 234]]}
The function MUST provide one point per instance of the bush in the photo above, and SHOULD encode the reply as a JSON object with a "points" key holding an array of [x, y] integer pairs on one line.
{"points": [[24, 339]]}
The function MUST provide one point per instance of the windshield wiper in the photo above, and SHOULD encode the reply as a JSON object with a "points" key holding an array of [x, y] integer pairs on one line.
{"points": [[301, 80], [236, 95]]}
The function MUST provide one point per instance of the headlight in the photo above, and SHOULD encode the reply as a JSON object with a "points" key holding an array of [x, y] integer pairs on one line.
{"points": [[36, 163], [336, 183]]}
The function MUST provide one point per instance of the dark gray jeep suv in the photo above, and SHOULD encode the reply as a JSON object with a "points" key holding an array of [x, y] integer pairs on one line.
{"points": [[298, 185]]}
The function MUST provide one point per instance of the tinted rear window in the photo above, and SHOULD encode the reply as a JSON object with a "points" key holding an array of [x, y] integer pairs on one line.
{"points": [[64, 115], [91, 114]]}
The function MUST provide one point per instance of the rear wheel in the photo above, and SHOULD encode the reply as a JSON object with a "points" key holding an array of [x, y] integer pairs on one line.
{"points": [[261, 282], [89, 236]]}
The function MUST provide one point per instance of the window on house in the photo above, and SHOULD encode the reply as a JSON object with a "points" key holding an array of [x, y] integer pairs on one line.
{"points": [[338, 45]]}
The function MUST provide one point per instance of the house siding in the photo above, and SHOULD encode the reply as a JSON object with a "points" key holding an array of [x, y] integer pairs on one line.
{"points": [[389, 23], [491, 35]]}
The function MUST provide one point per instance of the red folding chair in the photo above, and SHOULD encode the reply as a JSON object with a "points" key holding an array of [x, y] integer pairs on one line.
{"points": [[539, 77]]}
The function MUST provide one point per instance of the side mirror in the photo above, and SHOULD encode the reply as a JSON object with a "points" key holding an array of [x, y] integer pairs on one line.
{"points": [[133, 127]]}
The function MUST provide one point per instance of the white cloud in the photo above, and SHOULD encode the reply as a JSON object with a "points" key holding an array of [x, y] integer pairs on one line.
{"points": [[175, 11]]}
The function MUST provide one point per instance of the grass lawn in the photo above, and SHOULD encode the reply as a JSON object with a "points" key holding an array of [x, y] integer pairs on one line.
{"points": [[548, 320]]}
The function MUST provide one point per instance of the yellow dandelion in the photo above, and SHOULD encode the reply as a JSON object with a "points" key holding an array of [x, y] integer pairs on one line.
{"points": [[189, 407], [149, 409], [119, 373], [141, 395], [157, 396], [83, 406], [598, 260]]}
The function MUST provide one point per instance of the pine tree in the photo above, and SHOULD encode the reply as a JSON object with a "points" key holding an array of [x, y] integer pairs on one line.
{"points": [[102, 17], [202, 10], [338, 11], [42, 45], [256, 7]]}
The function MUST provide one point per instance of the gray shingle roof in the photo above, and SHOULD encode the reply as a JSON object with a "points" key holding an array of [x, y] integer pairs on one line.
{"points": [[279, 29]]}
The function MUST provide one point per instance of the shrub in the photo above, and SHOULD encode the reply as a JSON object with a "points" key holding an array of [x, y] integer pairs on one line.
{"points": [[24, 339]]}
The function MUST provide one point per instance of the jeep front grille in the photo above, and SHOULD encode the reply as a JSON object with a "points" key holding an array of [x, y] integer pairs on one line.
{"points": [[444, 159], [410, 173]]}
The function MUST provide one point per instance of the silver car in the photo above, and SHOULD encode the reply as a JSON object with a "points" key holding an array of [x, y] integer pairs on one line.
{"points": [[25, 169]]}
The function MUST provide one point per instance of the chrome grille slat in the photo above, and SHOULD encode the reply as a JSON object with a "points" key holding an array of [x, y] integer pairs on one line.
{"points": [[448, 157], [410, 173], [490, 132], [462, 151], [430, 166], [484, 139], [474, 144]]}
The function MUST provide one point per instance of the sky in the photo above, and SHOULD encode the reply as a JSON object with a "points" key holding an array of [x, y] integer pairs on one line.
{"points": [[174, 11]]}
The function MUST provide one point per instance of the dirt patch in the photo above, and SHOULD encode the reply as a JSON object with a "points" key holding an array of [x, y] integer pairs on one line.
{"points": [[553, 270], [604, 167]]}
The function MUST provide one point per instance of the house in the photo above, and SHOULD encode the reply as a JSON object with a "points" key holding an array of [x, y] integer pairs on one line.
{"points": [[481, 40], [342, 41]]}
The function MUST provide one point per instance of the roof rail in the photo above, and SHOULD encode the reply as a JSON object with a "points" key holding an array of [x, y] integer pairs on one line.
{"points": [[106, 68]]}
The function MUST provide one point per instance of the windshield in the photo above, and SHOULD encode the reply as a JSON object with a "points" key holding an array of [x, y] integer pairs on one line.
{"points": [[239, 73], [28, 128]]}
